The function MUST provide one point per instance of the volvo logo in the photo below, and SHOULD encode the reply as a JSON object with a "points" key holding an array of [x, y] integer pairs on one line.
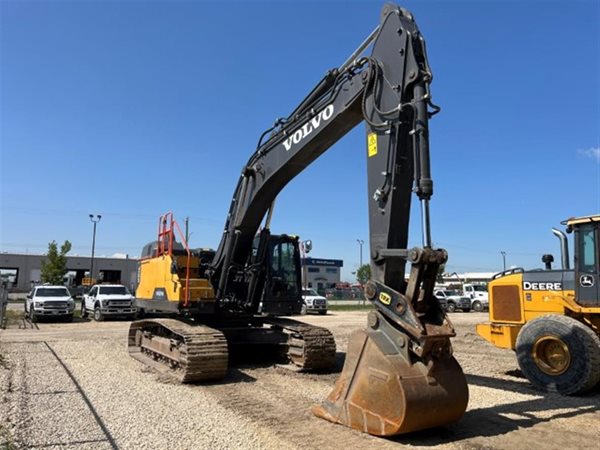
{"points": [[308, 127], [586, 280]]}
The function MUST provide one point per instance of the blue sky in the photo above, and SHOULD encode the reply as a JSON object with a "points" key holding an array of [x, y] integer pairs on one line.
{"points": [[130, 109]]}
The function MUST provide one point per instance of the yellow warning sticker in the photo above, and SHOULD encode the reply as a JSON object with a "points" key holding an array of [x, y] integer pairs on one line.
{"points": [[385, 298], [372, 144]]}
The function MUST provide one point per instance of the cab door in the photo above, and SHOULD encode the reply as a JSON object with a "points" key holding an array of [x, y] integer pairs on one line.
{"points": [[282, 293], [587, 266]]}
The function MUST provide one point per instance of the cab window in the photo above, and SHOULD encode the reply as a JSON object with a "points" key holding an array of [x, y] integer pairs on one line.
{"points": [[587, 249], [283, 270]]}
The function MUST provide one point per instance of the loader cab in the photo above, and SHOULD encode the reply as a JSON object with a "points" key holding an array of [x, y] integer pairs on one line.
{"points": [[587, 256]]}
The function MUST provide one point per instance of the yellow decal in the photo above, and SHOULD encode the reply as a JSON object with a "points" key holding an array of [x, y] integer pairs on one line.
{"points": [[385, 298], [372, 144]]}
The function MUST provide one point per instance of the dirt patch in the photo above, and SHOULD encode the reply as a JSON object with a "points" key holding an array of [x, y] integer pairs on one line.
{"points": [[264, 406]]}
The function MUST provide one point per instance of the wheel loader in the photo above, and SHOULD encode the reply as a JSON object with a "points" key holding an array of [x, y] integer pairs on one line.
{"points": [[399, 374], [551, 318]]}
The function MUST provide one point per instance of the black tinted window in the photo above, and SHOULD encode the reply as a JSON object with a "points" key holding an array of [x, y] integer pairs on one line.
{"points": [[113, 290], [52, 292], [587, 249]]}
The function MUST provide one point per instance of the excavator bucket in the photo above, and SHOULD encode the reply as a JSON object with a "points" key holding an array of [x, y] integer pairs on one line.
{"points": [[384, 390]]}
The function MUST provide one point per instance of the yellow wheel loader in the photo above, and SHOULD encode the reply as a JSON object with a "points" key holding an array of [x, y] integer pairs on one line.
{"points": [[551, 318]]}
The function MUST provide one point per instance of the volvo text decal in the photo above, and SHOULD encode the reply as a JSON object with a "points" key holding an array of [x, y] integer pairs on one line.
{"points": [[306, 129]]}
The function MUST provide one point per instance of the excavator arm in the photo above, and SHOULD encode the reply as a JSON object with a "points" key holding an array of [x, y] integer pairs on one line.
{"points": [[399, 374], [389, 91]]}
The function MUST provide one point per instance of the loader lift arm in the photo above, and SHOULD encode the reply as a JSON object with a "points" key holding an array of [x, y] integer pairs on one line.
{"points": [[406, 344]]}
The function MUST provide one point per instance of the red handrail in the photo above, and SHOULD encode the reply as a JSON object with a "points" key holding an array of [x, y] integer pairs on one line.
{"points": [[166, 227]]}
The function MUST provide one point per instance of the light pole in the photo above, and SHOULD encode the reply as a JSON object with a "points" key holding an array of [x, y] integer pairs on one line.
{"points": [[503, 260], [94, 220], [360, 244], [305, 249]]}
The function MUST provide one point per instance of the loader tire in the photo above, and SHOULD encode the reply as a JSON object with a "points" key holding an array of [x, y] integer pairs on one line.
{"points": [[559, 354]]}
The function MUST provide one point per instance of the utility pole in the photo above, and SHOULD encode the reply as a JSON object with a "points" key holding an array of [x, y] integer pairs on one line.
{"points": [[187, 229], [94, 220], [503, 253]]}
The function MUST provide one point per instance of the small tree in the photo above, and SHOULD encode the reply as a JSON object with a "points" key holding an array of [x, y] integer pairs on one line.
{"points": [[54, 266], [440, 274], [363, 274]]}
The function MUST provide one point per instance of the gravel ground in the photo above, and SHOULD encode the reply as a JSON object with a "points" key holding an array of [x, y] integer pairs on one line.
{"points": [[73, 386]]}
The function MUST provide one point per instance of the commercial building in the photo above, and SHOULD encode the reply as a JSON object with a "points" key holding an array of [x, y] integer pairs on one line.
{"points": [[21, 271], [468, 277], [320, 273]]}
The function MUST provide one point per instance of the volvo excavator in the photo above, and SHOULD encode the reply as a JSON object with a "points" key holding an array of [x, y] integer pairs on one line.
{"points": [[399, 374]]}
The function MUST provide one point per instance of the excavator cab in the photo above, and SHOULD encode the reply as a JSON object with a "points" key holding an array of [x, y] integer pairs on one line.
{"points": [[276, 283]]}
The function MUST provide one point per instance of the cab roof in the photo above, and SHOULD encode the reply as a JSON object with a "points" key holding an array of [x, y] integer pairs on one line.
{"points": [[584, 219]]}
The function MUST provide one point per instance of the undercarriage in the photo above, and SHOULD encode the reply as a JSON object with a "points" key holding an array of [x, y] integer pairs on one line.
{"points": [[192, 352]]}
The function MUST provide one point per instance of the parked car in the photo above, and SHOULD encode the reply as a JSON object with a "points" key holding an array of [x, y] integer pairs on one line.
{"points": [[313, 302], [104, 300], [478, 294], [49, 301], [453, 300]]}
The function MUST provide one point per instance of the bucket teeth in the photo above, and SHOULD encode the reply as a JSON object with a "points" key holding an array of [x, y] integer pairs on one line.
{"points": [[384, 391]]}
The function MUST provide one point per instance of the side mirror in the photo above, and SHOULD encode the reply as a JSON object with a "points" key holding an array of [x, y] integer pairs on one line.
{"points": [[307, 246]]}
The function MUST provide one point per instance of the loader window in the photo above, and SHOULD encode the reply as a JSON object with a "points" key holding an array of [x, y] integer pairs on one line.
{"points": [[587, 250], [284, 281]]}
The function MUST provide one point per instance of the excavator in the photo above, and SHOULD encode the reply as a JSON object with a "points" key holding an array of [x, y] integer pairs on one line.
{"points": [[399, 374]]}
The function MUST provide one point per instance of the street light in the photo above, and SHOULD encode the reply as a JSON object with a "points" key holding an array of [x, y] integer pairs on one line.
{"points": [[360, 243], [503, 260], [94, 220]]}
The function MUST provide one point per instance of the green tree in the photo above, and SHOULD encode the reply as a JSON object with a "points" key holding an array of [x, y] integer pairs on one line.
{"points": [[54, 266], [440, 273], [363, 274]]}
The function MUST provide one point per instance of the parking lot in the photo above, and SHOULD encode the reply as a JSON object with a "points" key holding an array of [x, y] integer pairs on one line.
{"points": [[73, 385]]}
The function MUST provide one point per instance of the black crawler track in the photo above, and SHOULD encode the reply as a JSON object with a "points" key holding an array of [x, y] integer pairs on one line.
{"points": [[203, 354], [199, 353], [311, 348]]}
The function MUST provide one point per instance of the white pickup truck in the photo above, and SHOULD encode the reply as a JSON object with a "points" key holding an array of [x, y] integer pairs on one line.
{"points": [[478, 294], [49, 301], [104, 300], [313, 302], [451, 300]]}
